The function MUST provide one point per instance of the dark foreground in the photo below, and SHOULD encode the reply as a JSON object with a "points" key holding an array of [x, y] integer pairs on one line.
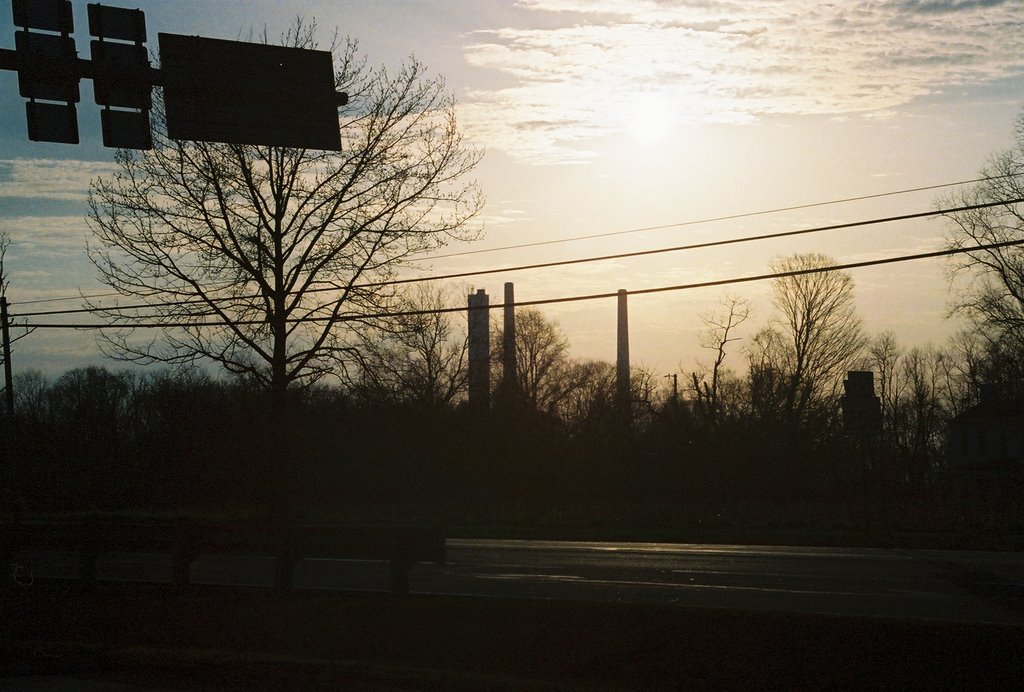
{"points": [[147, 637]]}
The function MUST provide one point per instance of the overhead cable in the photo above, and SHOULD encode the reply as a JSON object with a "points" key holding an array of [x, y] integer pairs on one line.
{"points": [[679, 224], [568, 262], [715, 219], [566, 299]]}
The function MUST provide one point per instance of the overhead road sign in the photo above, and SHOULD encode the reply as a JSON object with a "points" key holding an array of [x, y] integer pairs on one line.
{"points": [[249, 93], [121, 75], [214, 90], [117, 23], [52, 122], [49, 68], [46, 15], [47, 65]]}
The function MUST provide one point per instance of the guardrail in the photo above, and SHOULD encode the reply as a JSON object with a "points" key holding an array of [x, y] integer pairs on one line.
{"points": [[402, 547]]}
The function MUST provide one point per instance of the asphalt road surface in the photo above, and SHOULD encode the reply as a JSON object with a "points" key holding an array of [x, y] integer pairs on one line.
{"points": [[952, 586], [946, 585]]}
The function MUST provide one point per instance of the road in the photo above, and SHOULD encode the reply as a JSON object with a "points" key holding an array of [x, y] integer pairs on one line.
{"points": [[951, 586], [945, 585]]}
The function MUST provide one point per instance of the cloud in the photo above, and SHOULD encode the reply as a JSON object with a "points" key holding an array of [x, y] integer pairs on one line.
{"points": [[499, 218], [43, 212], [944, 6], [577, 80], [55, 179], [46, 256], [37, 235]]}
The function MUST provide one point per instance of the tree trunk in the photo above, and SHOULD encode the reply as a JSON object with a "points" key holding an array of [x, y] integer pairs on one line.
{"points": [[279, 461]]}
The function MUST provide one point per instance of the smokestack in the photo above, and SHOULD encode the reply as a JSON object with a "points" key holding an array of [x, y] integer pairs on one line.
{"points": [[622, 355], [509, 374], [479, 351]]}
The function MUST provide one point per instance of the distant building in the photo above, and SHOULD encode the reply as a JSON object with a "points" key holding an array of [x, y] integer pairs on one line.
{"points": [[985, 451], [862, 410]]}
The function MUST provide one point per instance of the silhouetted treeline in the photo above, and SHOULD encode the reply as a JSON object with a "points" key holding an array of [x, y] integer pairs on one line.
{"points": [[97, 440]]}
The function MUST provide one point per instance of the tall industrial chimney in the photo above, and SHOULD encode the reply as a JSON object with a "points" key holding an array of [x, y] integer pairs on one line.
{"points": [[622, 355], [509, 376], [479, 351]]}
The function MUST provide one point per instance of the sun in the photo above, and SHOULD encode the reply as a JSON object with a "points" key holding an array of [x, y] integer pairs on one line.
{"points": [[649, 119]]}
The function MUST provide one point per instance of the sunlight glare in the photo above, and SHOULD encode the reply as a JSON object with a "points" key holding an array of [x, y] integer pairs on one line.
{"points": [[649, 119]]}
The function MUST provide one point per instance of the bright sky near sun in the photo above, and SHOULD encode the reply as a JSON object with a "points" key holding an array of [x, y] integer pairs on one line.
{"points": [[603, 116]]}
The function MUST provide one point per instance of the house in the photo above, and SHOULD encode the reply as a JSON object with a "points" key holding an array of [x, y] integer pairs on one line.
{"points": [[985, 451]]}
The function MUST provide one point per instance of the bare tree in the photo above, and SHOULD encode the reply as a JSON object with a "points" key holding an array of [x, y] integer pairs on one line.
{"points": [[588, 392], [10, 324], [718, 333], [993, 297], [884, 354], [255, 257], [541, 359], [642, 388], [5, 242], [964, 370], [419, 356], [923, 411], [767, 376], [819, 327]]}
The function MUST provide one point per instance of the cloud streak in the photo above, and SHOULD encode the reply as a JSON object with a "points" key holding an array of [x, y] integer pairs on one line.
{"points": [[55, 179], [722, 61]]}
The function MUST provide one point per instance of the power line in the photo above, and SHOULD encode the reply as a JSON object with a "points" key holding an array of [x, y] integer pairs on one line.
{"points": [[704, 245], [679, 224], [39, 301], [714, 219], [567, 299], [581, 260]]}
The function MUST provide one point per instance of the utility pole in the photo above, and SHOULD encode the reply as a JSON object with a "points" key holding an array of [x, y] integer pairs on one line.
{"points": [[5, 334], [8, 446]]}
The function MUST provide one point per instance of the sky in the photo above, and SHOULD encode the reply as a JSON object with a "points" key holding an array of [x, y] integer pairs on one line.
{"points": [[601, 118]]}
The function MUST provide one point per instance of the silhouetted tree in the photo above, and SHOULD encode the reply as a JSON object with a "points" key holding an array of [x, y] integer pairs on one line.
{"points": [[719, 331], [966, 370], [642, 388], [541, 359], [767, 375], [22, 330], [923, 408], [993, 294], [920, 390], [91, 414], [589, 398], [883, 358], [30, 387], [251, 256], [820, 334], [418, 357]]}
